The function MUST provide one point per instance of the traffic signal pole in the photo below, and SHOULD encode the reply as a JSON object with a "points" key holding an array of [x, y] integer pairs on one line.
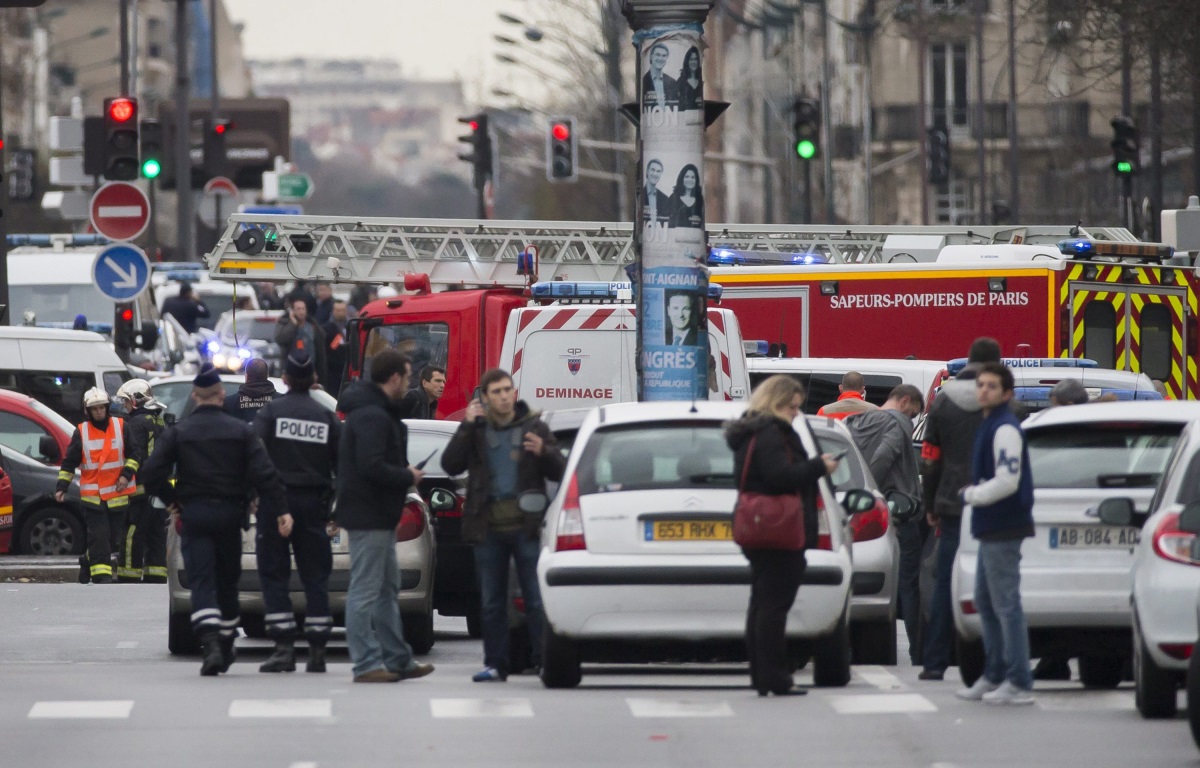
{"points": [[215, 101], [184, 213]]}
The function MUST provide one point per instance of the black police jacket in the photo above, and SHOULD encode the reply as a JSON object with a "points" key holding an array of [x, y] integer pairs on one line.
{"points": [[214, 456], [373, 474], [250, 397], [142, 426], [301, 438]]}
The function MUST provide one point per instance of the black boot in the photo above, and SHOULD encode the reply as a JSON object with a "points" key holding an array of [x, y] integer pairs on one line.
{"points": [[283, 658], [228, 653], [213, 658], [316, 655], [85, 570]]}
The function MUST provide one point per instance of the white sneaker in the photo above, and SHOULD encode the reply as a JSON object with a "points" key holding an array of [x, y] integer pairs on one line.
{"points": [[1008, 693], [976, 692]]}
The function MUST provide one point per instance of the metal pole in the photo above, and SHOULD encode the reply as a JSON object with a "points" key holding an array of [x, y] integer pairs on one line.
{"points": [[612, 70], [133, 50], [980, 112], [215, 96], [1014, 155], [827, 113], [1156, 138], [5, 309], [922, 110], [1126, 201], [184, 216], [868, 32], [123, 13]]}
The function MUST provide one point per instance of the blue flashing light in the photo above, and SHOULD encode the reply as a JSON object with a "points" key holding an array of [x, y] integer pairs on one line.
{"points": [[954, 367], [809, 258], [245, 354], [1077, 247], [724, 257], [757, 347], [212, 347], [564, 289]]}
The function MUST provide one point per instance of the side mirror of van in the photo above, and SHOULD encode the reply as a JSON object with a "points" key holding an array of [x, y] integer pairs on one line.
{"points": [[48, 448], [1117, 511], [147, 338]]}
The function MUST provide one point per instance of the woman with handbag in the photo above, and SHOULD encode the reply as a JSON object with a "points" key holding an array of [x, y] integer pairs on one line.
{"points": [[774, 522]]}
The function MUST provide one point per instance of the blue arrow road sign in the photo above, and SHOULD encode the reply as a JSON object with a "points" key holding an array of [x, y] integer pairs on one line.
{"points": [[121, 271]]}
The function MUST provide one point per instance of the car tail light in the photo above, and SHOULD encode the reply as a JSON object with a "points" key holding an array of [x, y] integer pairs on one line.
{"points": [[872, 524], [570, 520], [1170, 543], [412, 522], [1180, 651], [968, 607], [824, 540]]}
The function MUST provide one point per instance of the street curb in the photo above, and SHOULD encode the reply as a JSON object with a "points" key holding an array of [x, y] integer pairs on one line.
{"points": [[30, 569]]}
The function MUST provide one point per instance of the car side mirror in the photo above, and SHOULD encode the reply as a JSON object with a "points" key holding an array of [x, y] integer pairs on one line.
{"points": [[533, 502], [901, 506], [1117, 511], [1189, 518], [858, 500], [441, 500], [48, 447]]}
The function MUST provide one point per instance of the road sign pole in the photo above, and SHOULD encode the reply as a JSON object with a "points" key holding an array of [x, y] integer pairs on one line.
{"points": [[184, 215], [5, 310]]}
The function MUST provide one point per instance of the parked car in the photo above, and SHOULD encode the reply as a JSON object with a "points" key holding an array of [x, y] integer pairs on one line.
{"points": [[638, 561], [55, 367], [242, 335], [175, 392], [41, 525], [6, 508]]}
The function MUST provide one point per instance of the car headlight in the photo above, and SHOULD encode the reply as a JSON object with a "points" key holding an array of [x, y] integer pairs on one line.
{"points": [[218, 360], [236, 363]]}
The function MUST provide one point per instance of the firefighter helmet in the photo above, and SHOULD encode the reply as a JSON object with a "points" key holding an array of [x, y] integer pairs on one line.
{"points": [[135, 390], [95, 396]]}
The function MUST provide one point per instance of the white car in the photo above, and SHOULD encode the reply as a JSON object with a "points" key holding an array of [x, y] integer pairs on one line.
{"points": [[637, 559], [1075, 571], [1166, 579]]}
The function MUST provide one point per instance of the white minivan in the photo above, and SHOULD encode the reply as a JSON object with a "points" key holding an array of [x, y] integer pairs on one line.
{"points": [[55, 367], [821, 376]]}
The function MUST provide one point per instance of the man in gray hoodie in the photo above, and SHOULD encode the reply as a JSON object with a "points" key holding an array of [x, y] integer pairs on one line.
{"points": [[885, 438], [947, 452]]}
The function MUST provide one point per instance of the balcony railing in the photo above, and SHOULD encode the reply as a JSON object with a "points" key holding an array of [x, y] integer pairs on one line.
{"points": [[1059, 120]]}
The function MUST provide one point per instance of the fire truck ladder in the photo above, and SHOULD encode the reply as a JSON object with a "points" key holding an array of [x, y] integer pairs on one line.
{"points": [[485, 252]]}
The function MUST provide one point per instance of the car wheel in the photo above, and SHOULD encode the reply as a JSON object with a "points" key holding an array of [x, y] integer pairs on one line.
{"points": [[1153, 688], [831, 656], [474, 624], [181, 640], [970, 659], [1101, 671], [51, 531], [873, 642], [418, 631], [1193, 694], [560, 661]]}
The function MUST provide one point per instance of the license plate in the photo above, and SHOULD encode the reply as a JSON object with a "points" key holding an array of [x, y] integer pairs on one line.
{"points": [[688, 530], [1094, 537]]}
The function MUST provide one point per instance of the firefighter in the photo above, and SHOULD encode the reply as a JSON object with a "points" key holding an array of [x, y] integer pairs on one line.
{"points": [[97, 449], [144, 546], [302, 440], [218, 461]]}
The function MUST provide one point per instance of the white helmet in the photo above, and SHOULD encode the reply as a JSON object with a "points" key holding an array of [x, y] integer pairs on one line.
{"points": [[95, 396], [136, 391]]}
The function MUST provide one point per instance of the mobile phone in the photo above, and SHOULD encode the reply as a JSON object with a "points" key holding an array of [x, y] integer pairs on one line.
{"points": [[421, 464]]}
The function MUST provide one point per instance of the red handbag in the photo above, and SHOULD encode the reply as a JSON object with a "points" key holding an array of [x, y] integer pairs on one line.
{"points": [[767, 521]]}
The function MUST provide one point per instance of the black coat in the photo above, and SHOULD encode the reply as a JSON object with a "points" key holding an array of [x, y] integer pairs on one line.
{"points": [[418, 405], [286, 333], [779, 466], [142, 426], [187, 311], [373, 474], [302, 439]]}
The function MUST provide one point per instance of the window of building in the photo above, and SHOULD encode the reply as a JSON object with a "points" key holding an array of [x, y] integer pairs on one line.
{"points": [[948, 84]]}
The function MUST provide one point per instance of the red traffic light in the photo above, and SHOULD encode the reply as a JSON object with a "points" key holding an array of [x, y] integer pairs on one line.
{"points": [[122, 110], [560, 131], [127, 315], [220, 128], [474, 125]]}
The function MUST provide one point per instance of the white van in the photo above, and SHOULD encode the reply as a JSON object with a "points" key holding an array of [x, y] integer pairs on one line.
{"points": [[822, 375], [55, 367]]}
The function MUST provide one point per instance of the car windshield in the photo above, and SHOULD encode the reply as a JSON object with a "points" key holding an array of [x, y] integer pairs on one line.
{"points": [[176, 395], [850, 473], [60, 303], [218, 304], [259, 328], [656, 456], [1100, 455], [422, 444]]}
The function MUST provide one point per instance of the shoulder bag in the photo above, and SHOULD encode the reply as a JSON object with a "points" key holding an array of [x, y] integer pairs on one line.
{"points": [[767, 521]]}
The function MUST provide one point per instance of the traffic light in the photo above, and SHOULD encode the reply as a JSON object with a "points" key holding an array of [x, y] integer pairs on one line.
{"points": [[938, 147], [123, 331], [216, 157], [806, 128], [1126, 146], [120, 139], [153, 158], [22, 167], [480, 156], [562, 150]]}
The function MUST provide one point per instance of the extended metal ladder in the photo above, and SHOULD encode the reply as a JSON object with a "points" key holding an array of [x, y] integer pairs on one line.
{"points": [[484, 252]]}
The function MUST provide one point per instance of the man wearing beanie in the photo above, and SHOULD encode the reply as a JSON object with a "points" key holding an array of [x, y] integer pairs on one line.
{"points": [[302, 440], [218, 461], [254, 393]]}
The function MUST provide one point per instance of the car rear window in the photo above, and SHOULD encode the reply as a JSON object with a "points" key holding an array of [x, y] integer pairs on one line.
{"points": [[1101, 455], [822, 386], [656, 456]]}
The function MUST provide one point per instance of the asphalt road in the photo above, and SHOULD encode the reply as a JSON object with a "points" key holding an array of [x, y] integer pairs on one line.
{"points": [[86, 680]]}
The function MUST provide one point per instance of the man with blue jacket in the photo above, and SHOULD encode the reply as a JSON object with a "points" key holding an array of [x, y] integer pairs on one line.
{"points": [[1001, 499]]}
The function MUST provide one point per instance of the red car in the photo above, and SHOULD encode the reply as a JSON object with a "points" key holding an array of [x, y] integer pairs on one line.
{"points": [[6, 510]]}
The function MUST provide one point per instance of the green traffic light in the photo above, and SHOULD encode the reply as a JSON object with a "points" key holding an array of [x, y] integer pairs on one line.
{"points": [[806, 149], [151, 169], [1124, 166]]}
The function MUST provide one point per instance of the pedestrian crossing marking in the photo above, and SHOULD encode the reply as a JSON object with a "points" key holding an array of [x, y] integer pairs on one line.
{"points": [[80, 710], [281, 708], [678, 708], [458, 708], [881, 703], [878, 677]]}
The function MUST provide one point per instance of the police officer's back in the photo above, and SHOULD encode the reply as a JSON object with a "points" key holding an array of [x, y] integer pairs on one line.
{"points": [[252, 395]]}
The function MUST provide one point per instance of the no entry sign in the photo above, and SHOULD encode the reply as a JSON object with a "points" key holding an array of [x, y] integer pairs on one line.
{"points": [[120, 211]]}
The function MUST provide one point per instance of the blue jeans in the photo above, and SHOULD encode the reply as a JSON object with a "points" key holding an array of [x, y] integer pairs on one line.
{"points": [[373, 629], [941, 620], [998, 599], [491, 563]]}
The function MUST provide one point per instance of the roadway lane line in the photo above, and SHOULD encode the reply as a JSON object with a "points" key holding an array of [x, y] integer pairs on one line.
{"points": [[127, 645], [303, 765], [678, 708], [459, 708], [281, 708], [881, 703], [81, 710], [879, 677]]}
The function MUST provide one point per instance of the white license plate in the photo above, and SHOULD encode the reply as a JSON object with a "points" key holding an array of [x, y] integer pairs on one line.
{"points": [[1093, 537]]}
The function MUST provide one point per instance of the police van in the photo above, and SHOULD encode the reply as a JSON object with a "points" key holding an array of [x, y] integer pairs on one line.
{"points": [[579, 350]]}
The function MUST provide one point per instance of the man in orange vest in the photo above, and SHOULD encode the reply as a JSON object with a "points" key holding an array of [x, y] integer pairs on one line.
{"points": [[97, 449], [851, 400]]}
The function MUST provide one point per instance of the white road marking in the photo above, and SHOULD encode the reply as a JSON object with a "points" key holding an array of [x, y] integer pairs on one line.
{"points": [[1080, 700], [81, 710], [281, 708], [127, 644], [303, 765], [879, 677], [676, 708], [877, 704], [456, 708], [119, 211]]}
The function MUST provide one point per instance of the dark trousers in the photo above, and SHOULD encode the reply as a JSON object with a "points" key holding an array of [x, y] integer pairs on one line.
{"points": [[775, 577], [492, 559], [309, 508], [911, 536], [104, 529], [211, 542], [144, 545], [941, 617]]}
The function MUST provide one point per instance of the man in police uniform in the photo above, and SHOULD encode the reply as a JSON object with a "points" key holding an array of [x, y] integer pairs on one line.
{"points": [[302, 439], [218, 461], [98, 449], [144, 548]]}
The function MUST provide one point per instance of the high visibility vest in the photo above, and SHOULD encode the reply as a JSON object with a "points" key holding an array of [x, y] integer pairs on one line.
{"points": [[103, 460]]}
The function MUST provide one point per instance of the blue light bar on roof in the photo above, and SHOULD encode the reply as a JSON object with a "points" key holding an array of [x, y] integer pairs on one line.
{"points": [[955, 366], [45, 241]]}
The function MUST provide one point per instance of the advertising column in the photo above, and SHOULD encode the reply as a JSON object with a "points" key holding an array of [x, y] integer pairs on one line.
{"points": [[672, 318]]}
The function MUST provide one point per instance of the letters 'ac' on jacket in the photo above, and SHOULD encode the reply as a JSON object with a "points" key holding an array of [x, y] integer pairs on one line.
{"points": [[100, 457]]}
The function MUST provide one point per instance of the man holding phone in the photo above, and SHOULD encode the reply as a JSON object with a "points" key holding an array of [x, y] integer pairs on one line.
{"points": [[508, 451], [296, 330]]}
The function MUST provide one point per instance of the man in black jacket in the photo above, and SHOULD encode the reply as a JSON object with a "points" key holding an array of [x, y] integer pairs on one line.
{"points": [[507, 451], [144, 549], [297, 330], [254, 393], [373, 478], [422, 402], [302, 439], [218, 461], [186, 308]]}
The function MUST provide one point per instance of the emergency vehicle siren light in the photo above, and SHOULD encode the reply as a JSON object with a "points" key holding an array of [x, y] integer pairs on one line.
{"points": [[954, 367], [595, 290], [1082, 248], [730, 257], [756, 347]]}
